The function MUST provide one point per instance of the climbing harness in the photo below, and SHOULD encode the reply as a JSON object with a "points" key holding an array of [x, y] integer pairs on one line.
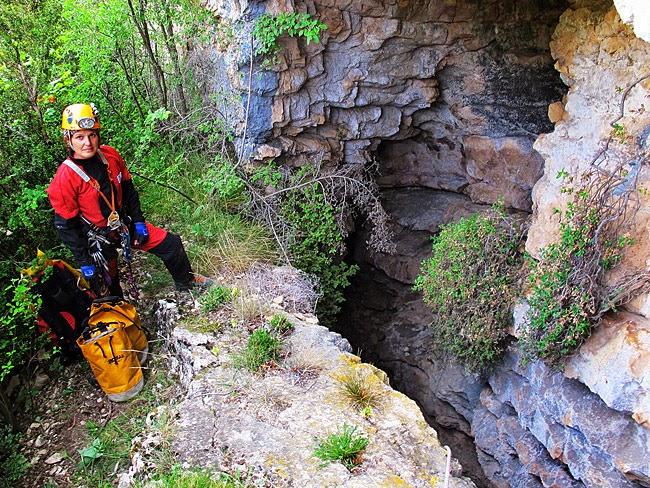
{"points": [[98, 237]]}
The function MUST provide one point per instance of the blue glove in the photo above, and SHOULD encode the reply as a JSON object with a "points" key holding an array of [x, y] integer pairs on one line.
{"points": [[141, 233], [88, 271]]}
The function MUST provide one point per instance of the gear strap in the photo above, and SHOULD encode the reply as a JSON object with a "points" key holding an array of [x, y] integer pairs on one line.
{"points": [[95, 237], [94, 183]]}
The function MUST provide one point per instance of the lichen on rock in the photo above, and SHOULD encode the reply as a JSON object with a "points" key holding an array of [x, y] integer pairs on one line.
{"points": [[267, 422]]}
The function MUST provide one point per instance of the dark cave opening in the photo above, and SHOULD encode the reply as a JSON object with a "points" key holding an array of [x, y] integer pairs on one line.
{"points": [[471, 147]]}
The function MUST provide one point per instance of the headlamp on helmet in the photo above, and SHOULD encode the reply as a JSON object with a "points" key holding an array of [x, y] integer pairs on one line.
{"points": [[80, 116]]}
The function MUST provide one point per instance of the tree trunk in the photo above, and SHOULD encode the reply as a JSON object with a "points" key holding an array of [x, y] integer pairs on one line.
{"points": [[168, 34], [32, 93], [143, 30]]}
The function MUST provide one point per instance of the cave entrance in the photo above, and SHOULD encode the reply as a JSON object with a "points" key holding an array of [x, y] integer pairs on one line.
{"points": [[471, 147]]}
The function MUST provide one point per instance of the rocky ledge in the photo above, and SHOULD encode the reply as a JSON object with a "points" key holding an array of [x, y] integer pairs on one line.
{"points": [[268, 423]]}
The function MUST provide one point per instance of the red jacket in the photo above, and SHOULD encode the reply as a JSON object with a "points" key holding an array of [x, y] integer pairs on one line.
{"points": [[72, 197]]}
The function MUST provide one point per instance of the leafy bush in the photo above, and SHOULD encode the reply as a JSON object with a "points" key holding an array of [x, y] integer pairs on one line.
{"points": [[215, 297], [269, 28], [18, 338], [261, 348], [316, 246], [568, 295], [345, 446], [469, 283], [227, 186], [13, 465]]}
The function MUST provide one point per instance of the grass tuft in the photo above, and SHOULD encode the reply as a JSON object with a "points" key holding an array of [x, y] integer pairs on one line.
{"points": [[261, 348], [178, 477], [363, 389], [344, 446], [247, 306]]}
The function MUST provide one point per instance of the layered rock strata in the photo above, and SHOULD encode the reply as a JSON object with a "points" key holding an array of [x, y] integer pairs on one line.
{"points": [[447, 97], [531, 426]]}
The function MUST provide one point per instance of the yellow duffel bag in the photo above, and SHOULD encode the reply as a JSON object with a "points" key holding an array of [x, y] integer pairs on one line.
{"points": [[111, 343], [118, 310]]}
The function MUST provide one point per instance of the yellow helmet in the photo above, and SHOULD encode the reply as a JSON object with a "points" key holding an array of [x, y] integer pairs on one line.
{"points": [[80, 116]]}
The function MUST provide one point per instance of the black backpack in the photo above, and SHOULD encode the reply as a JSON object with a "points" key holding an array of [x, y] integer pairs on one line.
{"points": [[65, 306]]}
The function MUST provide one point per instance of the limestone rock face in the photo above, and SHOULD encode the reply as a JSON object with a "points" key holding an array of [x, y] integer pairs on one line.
{"points": [[615, 364], [449, 95], [268, 423], [598, 57], [569, 421]]}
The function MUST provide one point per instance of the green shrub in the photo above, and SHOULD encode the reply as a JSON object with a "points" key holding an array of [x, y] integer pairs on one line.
{"points": [[345, 446], [226, 185], [280, 324], [261, 348], [568, 295], [215, 297], [317, 246], [469, 283], [269, 28], [13, 465], [18, 338]]}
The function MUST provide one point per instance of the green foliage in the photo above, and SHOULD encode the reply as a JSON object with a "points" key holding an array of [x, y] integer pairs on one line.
{"points": [[18, 338], [269, 28], [184, 478], [619, 132], [345, 446], [227, 186], [317, 245], [13, 465], [469, 283], [268, 175], [280, 325], [262, 347], [567, 295], [215, 297], [92, 452]]}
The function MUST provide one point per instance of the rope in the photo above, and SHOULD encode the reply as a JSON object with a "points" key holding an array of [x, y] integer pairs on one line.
{"points": [[447, 467], [125, 239], [163, 185]]}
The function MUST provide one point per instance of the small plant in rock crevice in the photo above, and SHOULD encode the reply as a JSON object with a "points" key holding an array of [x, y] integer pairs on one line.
{"points": [[215, 297], [269, 28], [470, 284], [262, 347], [568, 294], [360, 387], [280, 325], [345, 446]]}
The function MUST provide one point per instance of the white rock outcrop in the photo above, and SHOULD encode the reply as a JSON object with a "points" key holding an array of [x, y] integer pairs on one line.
{"points": [[637, 13], [605, 67], [615, 364], [267, 424]]}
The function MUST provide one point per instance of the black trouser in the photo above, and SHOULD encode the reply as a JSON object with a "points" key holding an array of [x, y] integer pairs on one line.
{"points": [[170, 251]]}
